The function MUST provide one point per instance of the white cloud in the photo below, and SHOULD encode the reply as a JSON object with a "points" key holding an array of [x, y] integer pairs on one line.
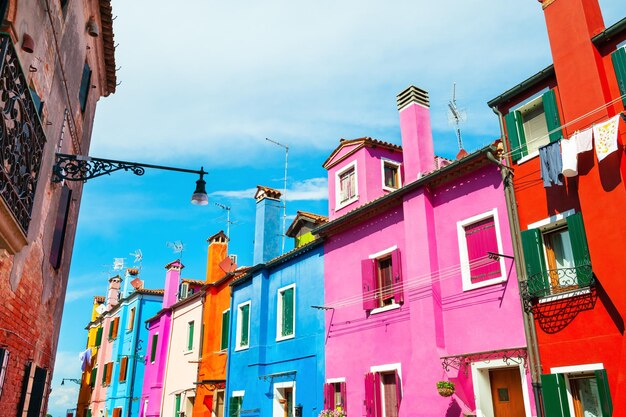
{"points": [[77, 294], [312, 189], [64, 397]]}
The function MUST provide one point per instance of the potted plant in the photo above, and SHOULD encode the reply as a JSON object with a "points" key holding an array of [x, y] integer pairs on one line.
{"points": [[445, 388], [337, 412]]}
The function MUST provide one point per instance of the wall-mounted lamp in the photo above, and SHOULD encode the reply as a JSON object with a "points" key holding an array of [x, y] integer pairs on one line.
{"points": [[76, 381], [28, 44], [92, 27]]}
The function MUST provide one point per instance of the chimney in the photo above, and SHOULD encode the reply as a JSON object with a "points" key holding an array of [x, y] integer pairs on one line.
{"points": [[113, 294], [417, 136], [267, 229], [218, 251], [131, 274], [172, 282]]}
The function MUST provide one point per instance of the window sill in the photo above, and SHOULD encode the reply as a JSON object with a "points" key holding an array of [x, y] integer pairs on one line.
{"points": [[527, 157], [391, 189], [565, 295], [483, 284], [379, 310], [346, 203], [281, 338], [188, 352], [237, 349]]}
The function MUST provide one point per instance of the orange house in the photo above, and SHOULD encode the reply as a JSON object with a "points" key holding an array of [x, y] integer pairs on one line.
{"points": [[221, 270]]}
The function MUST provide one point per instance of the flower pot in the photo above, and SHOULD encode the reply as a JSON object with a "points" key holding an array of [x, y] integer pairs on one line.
{"points": [[445, 392]]}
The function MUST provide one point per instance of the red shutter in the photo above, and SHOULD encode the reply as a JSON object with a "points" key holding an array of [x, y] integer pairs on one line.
{"points": [[344, 397], [396, 270], [58, 238], [368, 270], [377, 395], [329, 397], [369, 395], [481, 238], [398, 390]]}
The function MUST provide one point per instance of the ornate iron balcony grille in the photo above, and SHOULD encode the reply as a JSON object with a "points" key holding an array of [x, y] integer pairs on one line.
{"points": [[22, 139], [558, 281]]}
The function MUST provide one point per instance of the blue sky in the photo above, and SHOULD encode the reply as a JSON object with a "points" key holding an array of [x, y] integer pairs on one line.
{"points": [[204, 83]]}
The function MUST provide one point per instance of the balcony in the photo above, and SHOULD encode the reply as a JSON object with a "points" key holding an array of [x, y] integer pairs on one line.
{"points": [[556, 281], [22, 142]]}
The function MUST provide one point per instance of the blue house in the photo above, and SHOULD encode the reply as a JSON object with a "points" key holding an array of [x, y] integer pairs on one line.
{"points": [[276, 343], [128, 349]]}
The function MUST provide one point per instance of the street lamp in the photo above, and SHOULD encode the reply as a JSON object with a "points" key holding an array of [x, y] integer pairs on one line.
{"points": [[74, 380], [83, 168]]}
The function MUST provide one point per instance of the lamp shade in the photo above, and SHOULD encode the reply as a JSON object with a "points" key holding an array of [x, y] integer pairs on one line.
{"points": [[199, 197]]}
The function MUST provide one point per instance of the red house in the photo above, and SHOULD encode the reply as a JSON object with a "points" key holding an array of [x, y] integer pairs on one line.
{"points": [[573, 232]]}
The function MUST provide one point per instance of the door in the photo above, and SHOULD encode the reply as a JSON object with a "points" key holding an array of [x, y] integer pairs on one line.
{"points": [[219, 404], [506, 392]]}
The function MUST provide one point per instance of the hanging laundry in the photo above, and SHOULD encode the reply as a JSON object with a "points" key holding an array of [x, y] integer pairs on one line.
{"points": [[584, 140], [85, 359], [605, 135], [551, 164], [569, 155]]}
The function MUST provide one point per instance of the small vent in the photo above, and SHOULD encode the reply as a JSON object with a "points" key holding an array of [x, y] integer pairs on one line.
{"points": [[233, 258], [413, 95]]}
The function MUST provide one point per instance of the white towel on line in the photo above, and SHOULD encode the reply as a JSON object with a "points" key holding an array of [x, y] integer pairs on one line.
{"points": [[605, 135], [569, 155]]}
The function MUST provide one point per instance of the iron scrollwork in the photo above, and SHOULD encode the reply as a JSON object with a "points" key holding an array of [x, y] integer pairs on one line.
{"points": [[78, 168], [554, 282], [22, 138], [514, 356]]}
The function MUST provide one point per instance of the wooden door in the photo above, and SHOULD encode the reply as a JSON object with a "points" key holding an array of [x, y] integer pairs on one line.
{"points": [[506, 392]]}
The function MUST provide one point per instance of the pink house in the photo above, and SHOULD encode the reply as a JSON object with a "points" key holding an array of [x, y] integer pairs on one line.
{"points": [[412, 295]]}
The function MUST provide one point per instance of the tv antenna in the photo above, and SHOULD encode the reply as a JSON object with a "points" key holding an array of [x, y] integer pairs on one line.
{"points": [[286, 147], [138, 255], [118, 264], [228, 222], [177, 247], [456, 116]]}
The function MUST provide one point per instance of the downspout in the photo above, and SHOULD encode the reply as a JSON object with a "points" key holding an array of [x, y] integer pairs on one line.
{"points": [[227, 388], [134, 362], [528, 319]]}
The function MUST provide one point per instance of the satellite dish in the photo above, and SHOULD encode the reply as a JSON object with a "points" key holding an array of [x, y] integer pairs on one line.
{"points": [[456, 116]]}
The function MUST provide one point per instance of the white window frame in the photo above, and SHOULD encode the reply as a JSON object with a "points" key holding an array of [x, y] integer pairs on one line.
{"points": [[338, 203], [156, 353], [575, 369], [377, 256], [482, 386], [386, 161], [215, 394], [238, 346], [130, 324], [279, 313], [392, 367], [530, 99], [277, 410], [466, 277]]}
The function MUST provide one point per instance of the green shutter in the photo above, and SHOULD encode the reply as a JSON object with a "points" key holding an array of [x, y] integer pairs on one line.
{"points": [[92, 377], [104, 373], [235, 406], [287, 324], [155, 339], [534, 262], [191, 325], [515, 131], [225, 329], [177, 405], [88, 413], [580, 248], [619, 64], [245, 322], [552, 115], [99, 337], [554, 395], [605, 394]]}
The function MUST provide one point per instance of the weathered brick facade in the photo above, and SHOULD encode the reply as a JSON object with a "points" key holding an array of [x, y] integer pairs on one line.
{"points": [[35, 260]]}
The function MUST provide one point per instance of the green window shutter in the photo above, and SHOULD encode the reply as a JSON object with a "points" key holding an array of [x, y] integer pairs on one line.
{"points": [[155, 339], [554, 394], [534, 263], [99, 337], [605, 394], [580, 248], [92, 377], [515, 131], [245, 322], [234, 406], [287, 328], [619, 64], [552, 115], [177, 405], [104, 373], [191, 325], [88, 413], [225, 328]]}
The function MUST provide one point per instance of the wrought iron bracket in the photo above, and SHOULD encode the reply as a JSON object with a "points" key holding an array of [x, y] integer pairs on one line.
{"points": [[516, 356], [212, 384], [83, 168]]}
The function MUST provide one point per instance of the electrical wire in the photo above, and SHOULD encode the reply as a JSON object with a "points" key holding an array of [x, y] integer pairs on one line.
{"points": [[610, 103]]}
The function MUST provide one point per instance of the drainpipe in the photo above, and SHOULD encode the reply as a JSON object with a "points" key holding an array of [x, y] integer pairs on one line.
{"points": [[134, 361], [529, 322]]}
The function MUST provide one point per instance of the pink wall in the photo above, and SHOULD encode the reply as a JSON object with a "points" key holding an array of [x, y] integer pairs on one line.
{"points": [[98, 395]]}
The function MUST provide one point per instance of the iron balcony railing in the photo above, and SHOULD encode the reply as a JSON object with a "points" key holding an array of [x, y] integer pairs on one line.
{"points": [[22, 138], [557, 281]]}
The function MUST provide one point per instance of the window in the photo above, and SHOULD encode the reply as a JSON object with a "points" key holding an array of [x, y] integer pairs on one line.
{"points": [[99, 337], [123, 368], [131, 320], [577, 393], [60, 226], [391, 175], [190, 327], [225, 329], [335, 396], [236, 401], [219, 403], [153, 348], [533, 125], [383, 393], [113, 328], [4, 361], [177, 399], [37, 392], [477, 236], [117, 412], [557, 256], [243, 326], [619, 65], [107, 372], [85, 84], [346, 185], [92, 377], [382, 280], [183, 291], [285, 312]]}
